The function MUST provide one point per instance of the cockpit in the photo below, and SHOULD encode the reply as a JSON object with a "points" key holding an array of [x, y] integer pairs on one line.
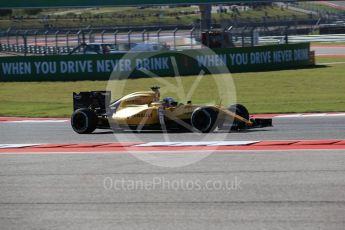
{"points": [[169, 102]]}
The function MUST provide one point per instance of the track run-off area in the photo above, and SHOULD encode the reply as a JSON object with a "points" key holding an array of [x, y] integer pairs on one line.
{"points": [[289, 176], [53, 178]]}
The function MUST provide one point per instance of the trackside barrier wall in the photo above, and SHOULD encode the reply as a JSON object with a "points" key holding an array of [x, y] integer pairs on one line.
{"points": [[135, 65], [95, 3]]}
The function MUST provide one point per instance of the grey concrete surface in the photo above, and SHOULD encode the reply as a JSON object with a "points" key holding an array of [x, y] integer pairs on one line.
{"points": [[284, 129], [228, 190], [329, 50]]}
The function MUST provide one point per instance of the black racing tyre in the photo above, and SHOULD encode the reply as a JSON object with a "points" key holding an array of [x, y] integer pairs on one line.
{"points": [[242, 111], [84, 121], [204, 119]]}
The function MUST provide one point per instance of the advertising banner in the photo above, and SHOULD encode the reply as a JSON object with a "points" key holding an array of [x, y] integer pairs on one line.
{"points": [[166, 63]]}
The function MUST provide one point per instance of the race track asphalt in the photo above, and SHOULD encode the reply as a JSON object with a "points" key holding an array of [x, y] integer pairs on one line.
{"points": [[255, 190], [288, 190], [284, 129]]}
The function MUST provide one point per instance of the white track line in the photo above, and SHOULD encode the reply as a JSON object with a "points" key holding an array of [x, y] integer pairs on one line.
{"points": [[311, 115], [315, 115], [6, 146], [37, 121], [195, 143], [336, 115], [332, 63], [288, 116], [233, 143]]}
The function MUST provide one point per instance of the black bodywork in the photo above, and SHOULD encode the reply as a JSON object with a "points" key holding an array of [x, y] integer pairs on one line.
{"points": [[97, 101]]}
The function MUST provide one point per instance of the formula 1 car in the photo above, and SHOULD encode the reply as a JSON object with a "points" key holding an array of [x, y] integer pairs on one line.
{"points": [[145, 111]]}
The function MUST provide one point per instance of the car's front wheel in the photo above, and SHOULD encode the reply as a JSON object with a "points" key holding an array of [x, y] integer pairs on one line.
{"points": [[229, 123], [242, 111], [84, 121], [204, 119]]}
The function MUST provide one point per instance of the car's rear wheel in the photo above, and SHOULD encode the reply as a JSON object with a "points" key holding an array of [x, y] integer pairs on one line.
{"points": [[84, 121]]}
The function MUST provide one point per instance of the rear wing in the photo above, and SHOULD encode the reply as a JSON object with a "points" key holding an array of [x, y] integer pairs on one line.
{"points": [[98, 101]]}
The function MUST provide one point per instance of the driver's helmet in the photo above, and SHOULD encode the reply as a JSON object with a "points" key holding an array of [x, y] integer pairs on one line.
{"points": [[169, 101]]}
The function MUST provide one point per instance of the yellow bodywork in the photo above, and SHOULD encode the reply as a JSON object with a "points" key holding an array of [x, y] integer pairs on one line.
{"points": [[142, 108]]}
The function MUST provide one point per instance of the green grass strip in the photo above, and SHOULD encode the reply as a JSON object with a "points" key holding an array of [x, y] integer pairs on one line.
{"points": [[305, 90]]}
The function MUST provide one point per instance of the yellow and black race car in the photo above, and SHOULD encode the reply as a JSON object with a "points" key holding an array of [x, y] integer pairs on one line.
{"points": [[145, 111]]}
